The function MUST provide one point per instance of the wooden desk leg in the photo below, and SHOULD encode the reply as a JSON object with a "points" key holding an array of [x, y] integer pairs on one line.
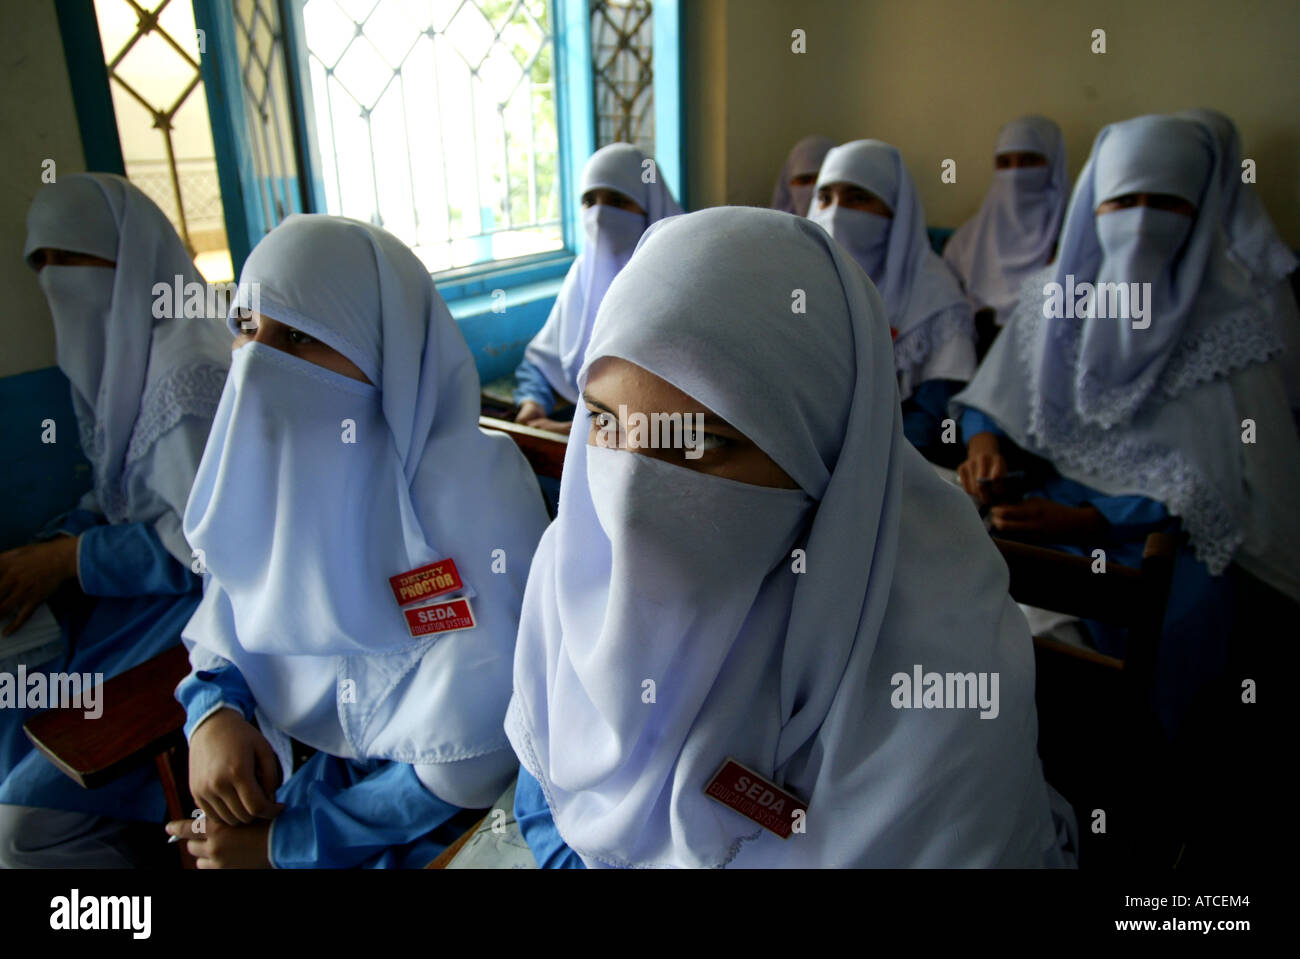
{"points": [[175, 783]]}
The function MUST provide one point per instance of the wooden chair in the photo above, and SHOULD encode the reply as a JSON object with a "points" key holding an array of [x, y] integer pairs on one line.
{"points": [[1099, 740], [142, 722]]}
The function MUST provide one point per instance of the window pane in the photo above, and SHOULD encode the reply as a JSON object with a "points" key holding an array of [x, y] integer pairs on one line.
{"points": [[260, 47], [436, 120], [152, 56], [622, 59]]}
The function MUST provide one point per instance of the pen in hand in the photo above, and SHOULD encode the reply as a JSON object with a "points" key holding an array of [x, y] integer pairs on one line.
{"points": [[197, 819]]}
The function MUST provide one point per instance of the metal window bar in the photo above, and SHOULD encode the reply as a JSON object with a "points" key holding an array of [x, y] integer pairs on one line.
{"points": [[623, 69], [146, 23], [440, 44], [269, 119]]}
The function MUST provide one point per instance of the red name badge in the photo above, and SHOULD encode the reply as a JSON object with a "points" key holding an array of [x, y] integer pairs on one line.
{"points": [[426, 582], [749, 794], [450, 614]]}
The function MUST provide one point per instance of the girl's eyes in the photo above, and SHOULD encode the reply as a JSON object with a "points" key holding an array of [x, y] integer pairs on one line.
{"points": [[605, 425], [705, 441], [296, 337]]}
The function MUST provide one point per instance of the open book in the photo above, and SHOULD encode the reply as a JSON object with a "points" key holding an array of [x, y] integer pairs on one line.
{"points": [[38, 641]]}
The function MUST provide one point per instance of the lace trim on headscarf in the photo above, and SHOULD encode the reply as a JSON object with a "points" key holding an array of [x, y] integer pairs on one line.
{"points": [[1225, 345], [914, 347], [1278, 263], [193, 390], [1168, 474]]}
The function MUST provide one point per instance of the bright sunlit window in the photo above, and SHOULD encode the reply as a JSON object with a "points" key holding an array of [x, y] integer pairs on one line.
{"points": [[437, 121]]}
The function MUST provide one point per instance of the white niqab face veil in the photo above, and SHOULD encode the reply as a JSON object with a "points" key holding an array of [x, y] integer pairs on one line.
{"points": [[110, 343], [611, 234], [315, 488], [657, 572], [1015, 230], [1102, 368]]}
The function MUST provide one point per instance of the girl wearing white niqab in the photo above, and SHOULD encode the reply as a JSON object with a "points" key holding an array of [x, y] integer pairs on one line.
{"points": [[1014, 233], [933, 324], [554, 356], [655, 571], [314, 490]]}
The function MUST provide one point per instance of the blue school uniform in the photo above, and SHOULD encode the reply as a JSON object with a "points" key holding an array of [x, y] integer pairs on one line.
{"points": [[1198, 619], [138, 600], [923, 415], [531, 385], [340, 813], [538, 826]]}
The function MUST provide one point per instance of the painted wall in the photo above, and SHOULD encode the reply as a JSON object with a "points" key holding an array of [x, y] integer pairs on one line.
{"points": [[938, 77], [39, 123]]}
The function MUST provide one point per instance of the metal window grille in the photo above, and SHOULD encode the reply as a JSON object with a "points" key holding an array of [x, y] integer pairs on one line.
{"points": [[622, 59], [437, 121], [152, 57], [259, 43]]}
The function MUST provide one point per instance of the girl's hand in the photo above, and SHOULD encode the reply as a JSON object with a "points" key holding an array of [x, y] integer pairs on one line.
{"points": [[1049, 521], [218, 846], [551, 426], [29, 574], [528, 412], [234, 772], [984, 460]]}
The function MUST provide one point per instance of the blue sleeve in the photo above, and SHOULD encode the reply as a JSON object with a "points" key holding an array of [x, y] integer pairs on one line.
{"points": [[1130, 517], [72, 523], [933, 396], [925, 410], [538, 828], [128, 559], [531, 384], [205, 690], [974, 422], [340, 825]]}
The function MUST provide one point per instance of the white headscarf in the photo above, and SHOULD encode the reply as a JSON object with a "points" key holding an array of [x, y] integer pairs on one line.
{"points": [[611, 236], [1253, 240], [1153, 411], [134, 377], [806, 156], [1254, 243], [924, 302], [1015, 230], [316, 488], [1204, 320], [656, 572]]}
